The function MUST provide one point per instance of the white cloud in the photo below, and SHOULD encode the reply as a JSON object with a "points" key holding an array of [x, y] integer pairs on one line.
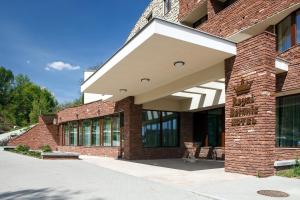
{"points": [[60, 65], [28, 61]]}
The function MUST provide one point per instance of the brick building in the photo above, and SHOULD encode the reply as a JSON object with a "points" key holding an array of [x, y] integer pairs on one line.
{"points": [[218, 78]]}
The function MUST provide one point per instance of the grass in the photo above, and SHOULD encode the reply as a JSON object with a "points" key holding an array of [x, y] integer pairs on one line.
{"points": [[35, 154], [24, 150], [294, 172]]}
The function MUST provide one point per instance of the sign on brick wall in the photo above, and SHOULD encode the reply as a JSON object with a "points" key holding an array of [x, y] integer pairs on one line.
{"points": [[243, 110]]}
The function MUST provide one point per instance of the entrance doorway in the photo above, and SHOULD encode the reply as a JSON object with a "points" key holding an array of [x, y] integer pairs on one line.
{"points": [[209, 132]]}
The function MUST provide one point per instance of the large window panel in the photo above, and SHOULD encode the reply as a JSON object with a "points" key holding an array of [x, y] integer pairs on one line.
{"points": [[73, 133], [86, 126], [170, 129], [284, 34], [66, 134], [95, 132], [80, 139], [107, 131], [215, 127], [151, 129], [116, 131], [167, 6], [288, 121]]}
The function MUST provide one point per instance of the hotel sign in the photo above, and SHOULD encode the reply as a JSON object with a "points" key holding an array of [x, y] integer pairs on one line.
{"points": [[243, 110]]}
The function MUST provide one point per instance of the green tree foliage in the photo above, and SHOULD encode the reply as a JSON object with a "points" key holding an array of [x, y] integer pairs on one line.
{"points": [[6, 86], [76, 102], [21, 101], [6, 83]]}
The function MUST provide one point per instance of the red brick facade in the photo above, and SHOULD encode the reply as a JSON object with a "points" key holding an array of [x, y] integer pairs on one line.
{"points": [[237, 16], [44, 133], [290, 80], [91, 110], [249, 149], [92, 151]]}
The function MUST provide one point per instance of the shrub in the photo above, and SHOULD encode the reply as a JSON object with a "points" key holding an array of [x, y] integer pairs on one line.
{"points": [[34, 154], [22, 148], [46, 148]]}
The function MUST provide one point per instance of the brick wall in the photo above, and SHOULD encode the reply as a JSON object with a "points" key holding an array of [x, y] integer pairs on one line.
{"points": [[187, 6], [287, 153], [132, 128], [90, 110], [92, 151], [290, 80], [133, 147], [239, 15], [44, 133], [249, 149]]}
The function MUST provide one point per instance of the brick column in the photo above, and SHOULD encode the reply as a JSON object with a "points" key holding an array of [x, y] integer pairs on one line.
{"points": [[132, 127], [250, 125]]}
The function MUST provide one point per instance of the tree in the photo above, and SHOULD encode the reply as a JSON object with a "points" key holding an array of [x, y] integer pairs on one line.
{"points": [[6, 83], [45, 103], [6, 86], [29, 101], [76, 102]]}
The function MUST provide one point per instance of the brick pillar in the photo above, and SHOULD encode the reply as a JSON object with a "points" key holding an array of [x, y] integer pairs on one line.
{"points": [[250, 133], [132, 128]]}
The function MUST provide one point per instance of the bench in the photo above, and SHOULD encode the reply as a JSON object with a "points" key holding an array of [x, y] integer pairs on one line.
{"points": [[60, 156]]}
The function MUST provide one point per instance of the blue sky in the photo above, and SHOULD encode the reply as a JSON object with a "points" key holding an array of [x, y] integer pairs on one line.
{"points": [[53, 41]]}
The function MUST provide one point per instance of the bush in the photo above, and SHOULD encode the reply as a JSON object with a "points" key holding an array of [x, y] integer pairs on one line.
{"points": [[35, 154], [46, 148], [22, 148]]}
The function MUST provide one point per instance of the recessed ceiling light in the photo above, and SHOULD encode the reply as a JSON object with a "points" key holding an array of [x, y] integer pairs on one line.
{"points": [[179, 64], [145, 80], [123, 90]]}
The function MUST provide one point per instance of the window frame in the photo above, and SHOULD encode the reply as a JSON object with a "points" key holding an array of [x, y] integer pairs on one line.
{"points": [[178, 145], [293, 29], [168, 5], [80, 128], [280, 115]]}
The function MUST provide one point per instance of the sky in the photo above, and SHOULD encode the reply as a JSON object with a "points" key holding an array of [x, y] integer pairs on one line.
{"points": [[54, 41]]}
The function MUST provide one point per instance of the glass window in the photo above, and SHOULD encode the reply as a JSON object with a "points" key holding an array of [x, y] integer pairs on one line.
{"points": [[298, 26], [116, 131], [87, 132], [288, 121], [284, 34], [170, 129], [80, 140], [215, 127], [95, 133], [167, 6], [73, 133], [66, 134], [151, 128], [150, 16], [107, 131]]}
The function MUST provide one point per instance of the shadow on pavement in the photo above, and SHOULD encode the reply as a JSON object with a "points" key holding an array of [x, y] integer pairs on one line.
{"points": [[44, 193], [181, 165]]}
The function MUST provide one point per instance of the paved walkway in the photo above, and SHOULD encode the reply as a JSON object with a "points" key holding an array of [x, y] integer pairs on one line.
{"points": [[206, 178], [28, 178]]}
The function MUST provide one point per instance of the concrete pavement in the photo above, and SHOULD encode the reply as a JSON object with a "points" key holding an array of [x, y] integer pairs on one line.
{"points": [[24, 177], [206, 178]]}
